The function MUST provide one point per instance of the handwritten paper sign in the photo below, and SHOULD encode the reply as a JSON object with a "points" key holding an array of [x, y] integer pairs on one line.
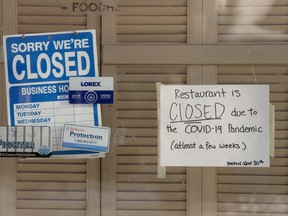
{"points": [[214, 125]]}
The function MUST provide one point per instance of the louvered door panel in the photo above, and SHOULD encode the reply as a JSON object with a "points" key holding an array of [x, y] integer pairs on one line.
{"points": [[258, 191], [152, 21], [139, 192], [55, 187], [246, 21]]}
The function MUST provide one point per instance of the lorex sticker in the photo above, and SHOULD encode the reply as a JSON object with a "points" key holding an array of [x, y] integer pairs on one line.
{"points": [[91, 90]]}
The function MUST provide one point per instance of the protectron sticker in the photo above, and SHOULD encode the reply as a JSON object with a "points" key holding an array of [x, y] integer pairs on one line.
{"points": [[86, 138]]}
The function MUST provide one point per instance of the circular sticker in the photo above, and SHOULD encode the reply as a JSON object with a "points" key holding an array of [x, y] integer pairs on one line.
{"points": [[90, 97]]}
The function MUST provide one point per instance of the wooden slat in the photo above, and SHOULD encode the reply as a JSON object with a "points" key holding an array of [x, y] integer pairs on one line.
{"points": [[278, 162], [144, 141], [278, 97], [252, 3], [48, 10], [140, 169], [281, 134], [137, 132], [147, 169], [153, 11], [144, 187], [251, 79], [251, 39], [147, 160], [51, 20], [151, 29], [51, 204], [281, 153], [55, 168], [44, 177], [252, 11], [60, 212], [252, 69], [147, 150], [243, 214], [151, 20], [148, 78], [53, 162], [281, 143], [154, 213], [247, 207], [272, 171], [48, 28], [135, 123], [261, 189], [281, 118], [152, 205], [51, 195], [151, 196], [150, 96], [279, 88], [253, 30], [151, 3], [143, 87], [280, 106], [151, 70], [147, 38], [42, 2], [272, 180], [137, 105], [52, 186], [252, 20], [148, 178], [137, 112], [252, 198]]}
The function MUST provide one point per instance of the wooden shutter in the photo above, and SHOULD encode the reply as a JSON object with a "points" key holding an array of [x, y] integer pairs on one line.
{"points": [[139, 192], [244, 191], [258, 191], [49, 186]]}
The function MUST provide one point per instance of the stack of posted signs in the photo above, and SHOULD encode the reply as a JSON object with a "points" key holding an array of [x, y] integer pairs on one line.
{"points": [[38, 68]]}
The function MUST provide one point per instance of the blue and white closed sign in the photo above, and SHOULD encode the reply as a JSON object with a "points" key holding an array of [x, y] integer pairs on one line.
{"points": [[38, 68], [53, 57]]}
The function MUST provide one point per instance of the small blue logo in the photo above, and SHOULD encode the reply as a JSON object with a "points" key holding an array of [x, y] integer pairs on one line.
{"points": [[90, 97]]}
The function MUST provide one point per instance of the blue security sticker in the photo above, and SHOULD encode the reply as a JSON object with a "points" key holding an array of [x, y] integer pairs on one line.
{"points": [[91, 90], [86, 138]]}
